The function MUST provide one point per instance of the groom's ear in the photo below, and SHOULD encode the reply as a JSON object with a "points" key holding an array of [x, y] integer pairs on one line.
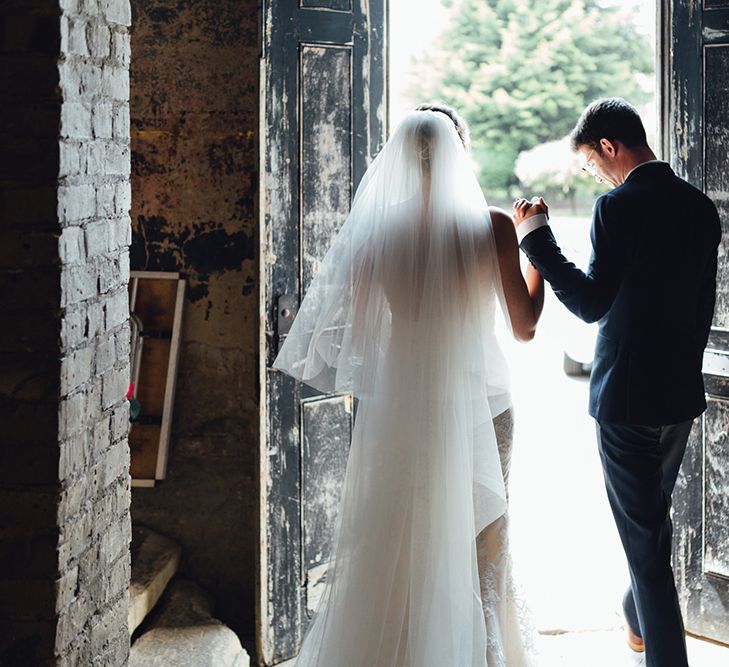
{"points": [[609, 148]]}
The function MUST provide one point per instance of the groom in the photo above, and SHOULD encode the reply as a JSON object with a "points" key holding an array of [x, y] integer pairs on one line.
{"points": [[651, 285]]}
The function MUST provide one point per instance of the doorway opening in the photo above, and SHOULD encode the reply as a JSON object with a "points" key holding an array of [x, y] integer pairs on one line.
{"points": [[520, 74]]}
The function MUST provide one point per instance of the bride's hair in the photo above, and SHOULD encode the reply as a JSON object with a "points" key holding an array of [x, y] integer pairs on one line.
{"points": [[455, 117]]}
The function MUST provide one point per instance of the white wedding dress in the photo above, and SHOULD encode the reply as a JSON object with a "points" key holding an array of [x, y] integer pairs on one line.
{"points": [[401, 313]]}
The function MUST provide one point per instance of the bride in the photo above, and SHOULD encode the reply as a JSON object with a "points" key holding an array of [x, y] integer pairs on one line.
{"points": [[401, 314]]}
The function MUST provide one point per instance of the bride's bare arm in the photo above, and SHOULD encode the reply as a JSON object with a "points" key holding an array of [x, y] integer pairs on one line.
{"points": [[524, 292]]}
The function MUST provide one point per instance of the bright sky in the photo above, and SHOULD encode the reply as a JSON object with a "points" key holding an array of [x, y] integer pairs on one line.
{"points": [[413, 26], [415, 23]]}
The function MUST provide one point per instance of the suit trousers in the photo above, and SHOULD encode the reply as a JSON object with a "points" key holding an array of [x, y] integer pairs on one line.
{"points": [[640, 465]]}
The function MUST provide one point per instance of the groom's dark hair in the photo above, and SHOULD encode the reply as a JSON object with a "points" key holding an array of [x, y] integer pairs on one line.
{"points": [[609, 118]]}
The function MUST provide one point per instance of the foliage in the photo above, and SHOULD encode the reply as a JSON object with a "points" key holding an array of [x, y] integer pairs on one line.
{"points": [[521, 72], [552, 170]]}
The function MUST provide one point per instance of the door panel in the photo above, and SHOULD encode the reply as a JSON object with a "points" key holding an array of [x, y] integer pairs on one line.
{"points": [[716, 526], [341, 5], [716, 157], [696, 130], [326, 148], [326, 435], [323, 102]]}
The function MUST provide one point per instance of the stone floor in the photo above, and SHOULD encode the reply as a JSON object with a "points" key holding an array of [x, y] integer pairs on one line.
{"points": [[607, 648]]}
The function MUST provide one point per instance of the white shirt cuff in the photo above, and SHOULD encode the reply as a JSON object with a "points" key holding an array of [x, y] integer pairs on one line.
{"points": [[530, 224]]}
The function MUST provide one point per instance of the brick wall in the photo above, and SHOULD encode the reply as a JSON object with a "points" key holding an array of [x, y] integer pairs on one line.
{"points": [[64, 336]]}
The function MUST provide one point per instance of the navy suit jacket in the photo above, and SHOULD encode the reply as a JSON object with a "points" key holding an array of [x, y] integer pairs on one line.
{"points": [[651, 285]]}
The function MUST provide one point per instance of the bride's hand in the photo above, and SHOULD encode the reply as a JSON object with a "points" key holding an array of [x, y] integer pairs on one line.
{"points": [[523, 209]]}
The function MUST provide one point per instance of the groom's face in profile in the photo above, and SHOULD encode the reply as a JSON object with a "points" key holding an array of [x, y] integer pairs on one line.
{"points": [[602, 162]]}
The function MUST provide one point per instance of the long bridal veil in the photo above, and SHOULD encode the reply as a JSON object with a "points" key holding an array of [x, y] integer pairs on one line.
{"points": [[401, 314]]}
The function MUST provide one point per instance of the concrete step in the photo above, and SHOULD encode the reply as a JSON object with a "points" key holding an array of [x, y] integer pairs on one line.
{"points": [[182, 632], [155, 559]]}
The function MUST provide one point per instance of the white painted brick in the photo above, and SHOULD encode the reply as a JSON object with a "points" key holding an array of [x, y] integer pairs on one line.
{"points": [[95, 156], [74, 460], [121, 232], [115, 82], [123, 343], [98, 237], [102, 440], [105, 199], [70, 79], [115, 385], [70, 415], [121, 122], [75, 121], [117, 11], [124, 267], [74, 539], [91, 82], [122, 50], [102, 120], [76, 369], [69, 158], [114, 543], [77, 38], [65, 587], [115, 462], [95, 318], [104, 626], [72, 6], [93, 401], [76, 202], [123, 198], [105, 354], [90, 7], [78, 488], [117, 651], [65, 30], [71, 245], [70, 628], [78, 283], [120, 421], [108, 273], [73, 326], [118, 159], [99, 40], [117, 309]]}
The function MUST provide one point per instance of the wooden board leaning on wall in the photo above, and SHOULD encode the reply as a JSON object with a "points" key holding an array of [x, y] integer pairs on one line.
{"points": [[155, 300]]}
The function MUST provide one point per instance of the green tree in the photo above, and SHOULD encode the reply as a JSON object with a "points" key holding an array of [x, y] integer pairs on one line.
{"points": [[521, 72]]}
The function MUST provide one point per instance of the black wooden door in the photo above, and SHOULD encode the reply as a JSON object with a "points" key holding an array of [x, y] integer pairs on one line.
{"points": [[323, 119], [696, 111]]}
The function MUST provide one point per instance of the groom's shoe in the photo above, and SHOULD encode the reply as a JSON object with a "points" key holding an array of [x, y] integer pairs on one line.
{"points": [[635, 642]]}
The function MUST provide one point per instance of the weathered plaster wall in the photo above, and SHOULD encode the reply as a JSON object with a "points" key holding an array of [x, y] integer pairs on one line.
{"points": [[194, 115]]}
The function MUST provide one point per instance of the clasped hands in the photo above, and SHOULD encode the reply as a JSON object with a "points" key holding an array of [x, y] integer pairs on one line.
{"points": [[525, 208]]}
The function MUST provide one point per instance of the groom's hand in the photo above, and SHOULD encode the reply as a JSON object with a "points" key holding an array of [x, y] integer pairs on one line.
{"points": [[524, 209]]}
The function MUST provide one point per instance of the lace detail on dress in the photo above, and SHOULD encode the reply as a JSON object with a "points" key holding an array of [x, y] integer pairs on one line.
{"points": [[511, 635], [491, 600]]}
